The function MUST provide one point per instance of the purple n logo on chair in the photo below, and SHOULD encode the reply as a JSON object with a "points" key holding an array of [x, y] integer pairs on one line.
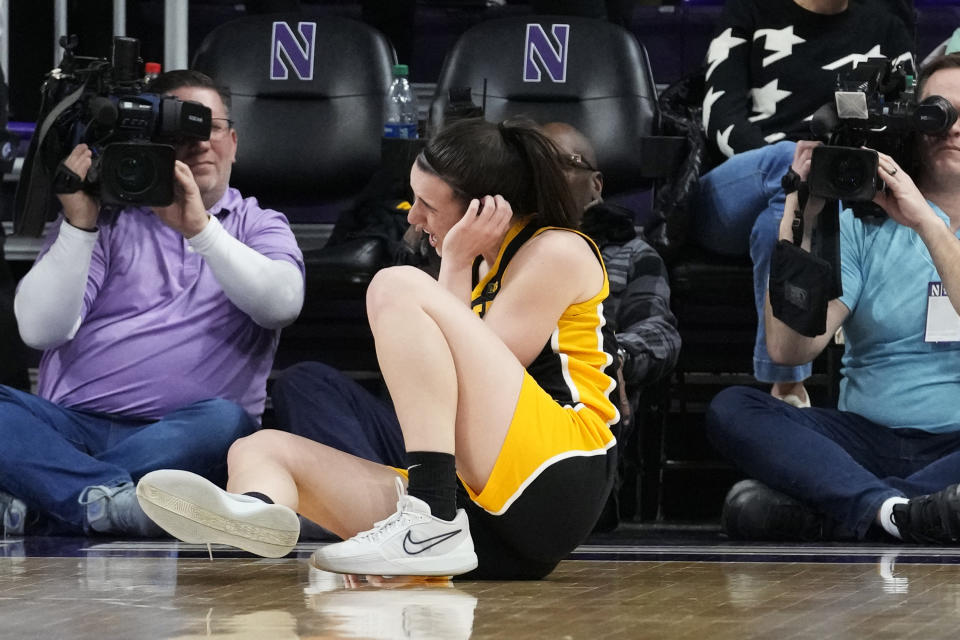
{"points": [[297, 52], [551, 52]]}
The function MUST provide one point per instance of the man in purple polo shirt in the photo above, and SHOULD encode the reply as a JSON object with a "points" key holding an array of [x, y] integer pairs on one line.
{"points": [[159, 328]]}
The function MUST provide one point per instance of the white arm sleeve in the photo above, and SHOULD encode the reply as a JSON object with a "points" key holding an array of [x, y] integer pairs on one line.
{"points": [[269, 291], [49, 299]]}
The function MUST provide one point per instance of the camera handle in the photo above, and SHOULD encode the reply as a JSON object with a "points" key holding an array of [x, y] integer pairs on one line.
{"points": [[34, 188]]}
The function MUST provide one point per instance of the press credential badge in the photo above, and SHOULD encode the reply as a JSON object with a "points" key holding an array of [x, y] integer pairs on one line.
{"points": [[943, 323]]}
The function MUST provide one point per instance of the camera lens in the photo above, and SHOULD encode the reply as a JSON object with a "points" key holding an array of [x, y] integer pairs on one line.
{"points": [[135, 172], [849, 174]]}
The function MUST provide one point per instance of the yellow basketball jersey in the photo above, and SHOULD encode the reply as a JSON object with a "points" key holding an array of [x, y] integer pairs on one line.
{"points": [[576, 365]]}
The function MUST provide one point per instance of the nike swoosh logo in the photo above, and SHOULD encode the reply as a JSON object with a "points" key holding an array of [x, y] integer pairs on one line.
{"points": [[413, 547]]}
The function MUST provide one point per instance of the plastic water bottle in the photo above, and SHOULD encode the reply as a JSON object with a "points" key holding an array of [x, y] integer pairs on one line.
{"points": [[401, 115], [151, 71]]}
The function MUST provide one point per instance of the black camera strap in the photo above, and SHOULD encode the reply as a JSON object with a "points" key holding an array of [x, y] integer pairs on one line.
{"points": [[827, 245], [803, 194], [65, 180], [36, 185], [57, 110]]}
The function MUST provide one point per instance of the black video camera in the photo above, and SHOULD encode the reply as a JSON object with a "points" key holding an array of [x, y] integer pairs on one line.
{"points": [[875, 106], [130, 132]]}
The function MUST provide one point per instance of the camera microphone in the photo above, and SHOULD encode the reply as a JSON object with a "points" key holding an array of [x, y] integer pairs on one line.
{"points": [[824, 121], [103, 111]]}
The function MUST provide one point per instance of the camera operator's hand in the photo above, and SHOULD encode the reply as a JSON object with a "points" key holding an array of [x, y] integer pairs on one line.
{"points": [[802, 161], [902, 199], [80, 208], [802, 157], [187, 213]]}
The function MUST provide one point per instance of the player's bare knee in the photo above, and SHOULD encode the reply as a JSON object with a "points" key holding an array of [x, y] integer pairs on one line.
{"points": [[255, 448], [392, 287]]}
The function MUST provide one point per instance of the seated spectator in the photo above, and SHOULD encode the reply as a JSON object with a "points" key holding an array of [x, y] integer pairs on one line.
{"points": [[318, 402], [771, 66], [500, 375], [638, 308], [887, 461], [158, 329]]}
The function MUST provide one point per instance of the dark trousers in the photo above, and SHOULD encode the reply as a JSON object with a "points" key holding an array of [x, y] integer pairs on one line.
{"points": [[50, 454], [836, 461], [313, 400]]}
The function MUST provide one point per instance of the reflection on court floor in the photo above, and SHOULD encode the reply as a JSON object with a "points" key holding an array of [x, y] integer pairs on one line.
{"points": [[157, 589]]}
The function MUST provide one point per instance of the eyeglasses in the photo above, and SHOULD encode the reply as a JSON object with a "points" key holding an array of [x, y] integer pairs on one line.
{"points": [[575, 161], [219, 127]]}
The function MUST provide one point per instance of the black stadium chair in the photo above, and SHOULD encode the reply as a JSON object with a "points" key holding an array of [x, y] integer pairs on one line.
{"points": [[308, 102], [308, 97], [589, 73]]}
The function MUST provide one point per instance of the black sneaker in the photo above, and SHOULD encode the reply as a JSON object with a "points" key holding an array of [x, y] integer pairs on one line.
{"points": [[754, 511], [930, 519]]}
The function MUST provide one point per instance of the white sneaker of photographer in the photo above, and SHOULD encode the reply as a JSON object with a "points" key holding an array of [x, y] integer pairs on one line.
{"points": [[193, 509], [411, 542]]}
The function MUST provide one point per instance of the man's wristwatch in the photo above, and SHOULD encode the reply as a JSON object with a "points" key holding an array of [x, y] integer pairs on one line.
{"points": [[790, 181]]}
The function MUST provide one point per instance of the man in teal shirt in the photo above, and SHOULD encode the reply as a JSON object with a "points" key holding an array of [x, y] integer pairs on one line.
{"points": [[887, 461]]}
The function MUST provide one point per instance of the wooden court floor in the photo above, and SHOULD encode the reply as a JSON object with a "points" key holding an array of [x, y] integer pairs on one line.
{"points": [[78, 588]]}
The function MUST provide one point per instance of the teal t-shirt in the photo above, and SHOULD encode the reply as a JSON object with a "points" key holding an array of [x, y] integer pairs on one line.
{"points": [[890, 375]]}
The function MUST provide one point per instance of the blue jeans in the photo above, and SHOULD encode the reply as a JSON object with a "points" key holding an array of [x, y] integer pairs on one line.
{"points": [[738, 211], [316, 401], [49, 454], [836, 461]]}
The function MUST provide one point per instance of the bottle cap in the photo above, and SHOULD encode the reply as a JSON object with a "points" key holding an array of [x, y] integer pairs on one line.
{"points": [[401, 70], [152, 67]]}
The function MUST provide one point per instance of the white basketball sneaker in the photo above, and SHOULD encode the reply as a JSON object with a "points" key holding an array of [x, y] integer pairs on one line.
{"points": [[427, 611], [193, 509], [411, 542]]}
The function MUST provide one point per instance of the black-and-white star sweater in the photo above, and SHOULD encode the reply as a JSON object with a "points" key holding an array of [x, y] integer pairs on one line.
{"points": [[773, 63]]}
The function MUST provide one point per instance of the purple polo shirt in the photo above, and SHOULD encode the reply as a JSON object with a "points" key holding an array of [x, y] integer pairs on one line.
{"points": [[158, 333]]}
